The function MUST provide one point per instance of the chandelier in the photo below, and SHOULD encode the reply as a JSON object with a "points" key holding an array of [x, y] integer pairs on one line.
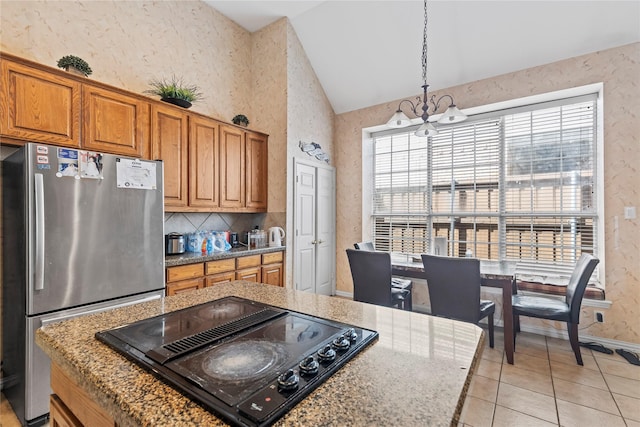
{"points": [[450, 116]]}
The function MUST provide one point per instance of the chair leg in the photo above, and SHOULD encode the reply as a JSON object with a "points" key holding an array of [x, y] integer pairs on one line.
{"points": [[572, 328], [490, 319], [516, 329]]}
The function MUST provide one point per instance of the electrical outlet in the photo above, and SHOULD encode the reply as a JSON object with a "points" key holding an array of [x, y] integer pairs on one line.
{"points": [[598, 316]]}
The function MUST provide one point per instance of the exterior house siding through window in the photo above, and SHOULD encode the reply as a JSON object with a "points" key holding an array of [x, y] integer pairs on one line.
{"points": [[512, 185]]}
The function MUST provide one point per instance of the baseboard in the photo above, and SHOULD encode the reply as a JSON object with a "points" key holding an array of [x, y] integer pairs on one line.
{"points": [[556, 333], [344, 294]]}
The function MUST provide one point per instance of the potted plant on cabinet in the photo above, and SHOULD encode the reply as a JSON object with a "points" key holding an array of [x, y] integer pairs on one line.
{"points": [[240, 120], [75, 64], [175, 91]]}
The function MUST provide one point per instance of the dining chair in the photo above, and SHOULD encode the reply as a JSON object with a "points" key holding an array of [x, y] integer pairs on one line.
{"points": [[371, 273], [567, 310], [396, 282], [364, 246], [454, 290]]}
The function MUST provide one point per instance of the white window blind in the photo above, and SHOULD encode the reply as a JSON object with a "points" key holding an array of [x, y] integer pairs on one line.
{"points": [[515, 184]]}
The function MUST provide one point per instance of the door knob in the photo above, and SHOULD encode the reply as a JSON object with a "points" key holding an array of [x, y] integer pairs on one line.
{"points": [[320, 241]]}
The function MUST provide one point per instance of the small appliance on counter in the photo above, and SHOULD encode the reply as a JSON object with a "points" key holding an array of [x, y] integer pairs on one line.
{"points": [[174, 244], [233, 239], [257, 239], [276, 234]]}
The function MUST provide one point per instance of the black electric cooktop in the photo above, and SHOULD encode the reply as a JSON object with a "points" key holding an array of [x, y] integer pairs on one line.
{"points": [[247, 362]]}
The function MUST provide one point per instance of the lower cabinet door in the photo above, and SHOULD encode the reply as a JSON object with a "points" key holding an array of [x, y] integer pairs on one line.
{"points": [[272, 274], [249, 274], [220, 278], [60, 415], [176, 288]]}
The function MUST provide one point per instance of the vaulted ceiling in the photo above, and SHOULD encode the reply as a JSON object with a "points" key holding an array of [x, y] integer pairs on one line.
{"points": [[369, 52]]}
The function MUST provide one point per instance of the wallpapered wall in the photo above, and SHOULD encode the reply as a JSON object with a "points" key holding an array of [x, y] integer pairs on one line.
{"points": [[618, 69], [265, 75]]}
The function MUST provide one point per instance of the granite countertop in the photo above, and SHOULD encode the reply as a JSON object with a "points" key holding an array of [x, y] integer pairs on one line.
{"points": [[417, 373], [193, 257]]}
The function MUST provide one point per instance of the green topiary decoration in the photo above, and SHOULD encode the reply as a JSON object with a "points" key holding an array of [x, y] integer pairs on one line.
{"points": [[74, 61], [240, 120]]}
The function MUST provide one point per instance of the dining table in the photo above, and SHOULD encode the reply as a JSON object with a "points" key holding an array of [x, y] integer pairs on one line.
{"points": [[494, 274]]}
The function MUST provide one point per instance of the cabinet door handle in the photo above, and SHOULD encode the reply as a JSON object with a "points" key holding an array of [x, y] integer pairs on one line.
{"points": [[313, 242], [320, 242]]}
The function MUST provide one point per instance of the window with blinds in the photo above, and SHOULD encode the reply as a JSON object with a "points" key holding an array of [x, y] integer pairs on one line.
{"points": [[515, 184]]}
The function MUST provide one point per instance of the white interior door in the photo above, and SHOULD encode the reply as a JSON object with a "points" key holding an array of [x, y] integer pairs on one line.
{"points": [[325, 231], [314, 242]]}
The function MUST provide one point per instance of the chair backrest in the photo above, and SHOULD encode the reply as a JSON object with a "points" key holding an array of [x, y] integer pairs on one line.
{"points": [[454, 287], [364, 246], [578, 284], [371, 272]]}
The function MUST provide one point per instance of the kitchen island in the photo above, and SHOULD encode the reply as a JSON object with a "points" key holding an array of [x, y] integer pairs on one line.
{"points": [[417, 373]]}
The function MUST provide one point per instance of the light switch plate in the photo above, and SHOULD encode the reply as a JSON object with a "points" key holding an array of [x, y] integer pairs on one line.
{"points": [[629, 212]]}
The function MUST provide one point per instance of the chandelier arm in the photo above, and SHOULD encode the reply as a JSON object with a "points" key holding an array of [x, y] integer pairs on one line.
{"points": [[436, 104], [413, 107]]}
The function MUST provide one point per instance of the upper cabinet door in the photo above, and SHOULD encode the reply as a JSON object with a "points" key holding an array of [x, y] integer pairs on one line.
{"points": [[114, 122], [39, 106], [203, 162], [232, 167], [256, 171], [169, 143]]}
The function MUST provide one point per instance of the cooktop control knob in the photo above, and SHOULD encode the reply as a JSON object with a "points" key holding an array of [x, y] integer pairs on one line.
{"points": [[309, 366], [288, 380], [351, 334], [327, 354], [341, 343]]}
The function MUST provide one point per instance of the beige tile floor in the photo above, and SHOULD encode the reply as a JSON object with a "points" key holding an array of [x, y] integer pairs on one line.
{"points": [[544, 387]]}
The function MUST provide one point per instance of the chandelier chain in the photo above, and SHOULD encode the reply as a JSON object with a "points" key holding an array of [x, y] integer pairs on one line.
{"points": [[424, 46]]}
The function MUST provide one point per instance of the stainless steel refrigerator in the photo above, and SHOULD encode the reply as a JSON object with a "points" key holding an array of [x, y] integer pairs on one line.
{"points": [[82, 232]]}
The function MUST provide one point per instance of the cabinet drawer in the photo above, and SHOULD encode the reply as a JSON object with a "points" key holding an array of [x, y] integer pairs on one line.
{"points": [[248, 261], [272, 258], [221, 266], [182, 272]]}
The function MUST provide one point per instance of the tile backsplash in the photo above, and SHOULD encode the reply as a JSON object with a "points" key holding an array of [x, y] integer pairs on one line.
{"points": [[179, 222]]}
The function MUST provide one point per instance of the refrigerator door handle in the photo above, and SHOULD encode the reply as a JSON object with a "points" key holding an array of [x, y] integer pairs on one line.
{"points": [[39, 244]]}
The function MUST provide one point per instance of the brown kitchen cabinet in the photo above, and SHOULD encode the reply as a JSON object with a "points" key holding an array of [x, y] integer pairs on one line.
{"points": [[220, 271], [273, 268], [188, 145], [253, 274], [169, 142], [114, 123], [272, 274], [220, 278], [232, 164], [60, 415], [256, 175], [265, 268], [243, 169], [70, 405], [39, 106], [203, 162], [185, 278]]}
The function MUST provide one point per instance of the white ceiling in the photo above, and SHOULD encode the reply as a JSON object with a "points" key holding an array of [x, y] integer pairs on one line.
{"points": [[367, 52]]}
